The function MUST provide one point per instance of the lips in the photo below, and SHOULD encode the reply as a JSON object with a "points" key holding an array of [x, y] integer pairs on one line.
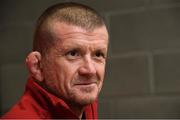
{"points": [[86, 83], [84, 80]]}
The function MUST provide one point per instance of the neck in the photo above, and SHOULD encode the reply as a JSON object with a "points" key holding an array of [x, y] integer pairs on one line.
{"points": [[77, 110]]}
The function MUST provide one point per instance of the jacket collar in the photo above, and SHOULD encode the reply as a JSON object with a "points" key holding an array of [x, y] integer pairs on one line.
{"points": [[56, 106]]}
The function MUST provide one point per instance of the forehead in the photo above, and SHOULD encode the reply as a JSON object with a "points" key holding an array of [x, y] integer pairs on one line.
{"points": [[63, 32]]}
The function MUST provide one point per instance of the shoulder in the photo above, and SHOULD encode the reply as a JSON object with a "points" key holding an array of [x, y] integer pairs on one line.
{"points": [[26, 108]]}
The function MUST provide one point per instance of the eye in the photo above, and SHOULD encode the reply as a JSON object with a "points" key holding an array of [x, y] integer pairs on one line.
{"points": [[72, 54], [99, 54]]}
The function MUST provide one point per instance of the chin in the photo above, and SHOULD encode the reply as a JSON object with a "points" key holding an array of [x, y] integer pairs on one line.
{"points": [[86, 100], [84, 95]]}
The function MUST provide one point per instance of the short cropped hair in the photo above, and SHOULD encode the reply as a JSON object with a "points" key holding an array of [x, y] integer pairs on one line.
{"points": [[70, 13]]}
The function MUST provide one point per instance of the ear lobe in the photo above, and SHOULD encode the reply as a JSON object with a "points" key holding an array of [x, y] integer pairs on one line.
{"points": [[33, 61]]}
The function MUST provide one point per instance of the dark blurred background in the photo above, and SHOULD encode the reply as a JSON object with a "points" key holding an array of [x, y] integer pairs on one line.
{"points": [[143, 70]]}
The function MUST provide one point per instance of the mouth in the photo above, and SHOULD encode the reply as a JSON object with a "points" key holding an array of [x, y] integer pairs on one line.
{"points": [[86, 83], [86, 87]]}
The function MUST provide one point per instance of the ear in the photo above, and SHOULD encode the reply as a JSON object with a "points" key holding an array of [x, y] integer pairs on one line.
{"points": [[33, 63]]}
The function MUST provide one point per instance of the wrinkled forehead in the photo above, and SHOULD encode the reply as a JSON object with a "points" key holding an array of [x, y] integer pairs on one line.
{"points": [[65, 37], [62, 31]]}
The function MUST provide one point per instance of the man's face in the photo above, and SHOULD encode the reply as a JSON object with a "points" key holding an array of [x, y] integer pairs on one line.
{"points": [[74, 67]]}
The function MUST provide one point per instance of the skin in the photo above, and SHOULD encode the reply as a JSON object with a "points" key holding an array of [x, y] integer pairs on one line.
{"points": [[74, 67]]}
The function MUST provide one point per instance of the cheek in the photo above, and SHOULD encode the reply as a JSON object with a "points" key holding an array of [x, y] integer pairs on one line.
{"points": [[57, 78], [66, 73], [101, 70], [101, 73], [53, 73]]}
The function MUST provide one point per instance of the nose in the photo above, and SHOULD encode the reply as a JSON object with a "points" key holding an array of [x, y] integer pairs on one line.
{"points": [[88, 67]]}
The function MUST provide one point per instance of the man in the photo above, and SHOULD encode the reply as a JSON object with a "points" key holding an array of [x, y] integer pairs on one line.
{"points": [[66, 66]]}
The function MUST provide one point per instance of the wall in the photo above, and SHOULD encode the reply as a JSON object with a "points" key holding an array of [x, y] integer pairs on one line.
{"points": [[143, 70]]}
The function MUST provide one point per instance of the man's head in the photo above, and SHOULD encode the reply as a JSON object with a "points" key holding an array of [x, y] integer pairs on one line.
{"points": [[70, 49], [69, 13]]}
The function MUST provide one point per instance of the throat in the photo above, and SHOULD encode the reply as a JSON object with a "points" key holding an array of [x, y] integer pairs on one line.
{"points": [[77, 110]]}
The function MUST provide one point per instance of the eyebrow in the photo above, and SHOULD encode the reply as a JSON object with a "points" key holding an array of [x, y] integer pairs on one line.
{"points": [[79, 46]]}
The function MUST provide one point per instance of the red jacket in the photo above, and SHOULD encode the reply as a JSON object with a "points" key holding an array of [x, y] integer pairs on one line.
{"points": [[38, 103]]}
